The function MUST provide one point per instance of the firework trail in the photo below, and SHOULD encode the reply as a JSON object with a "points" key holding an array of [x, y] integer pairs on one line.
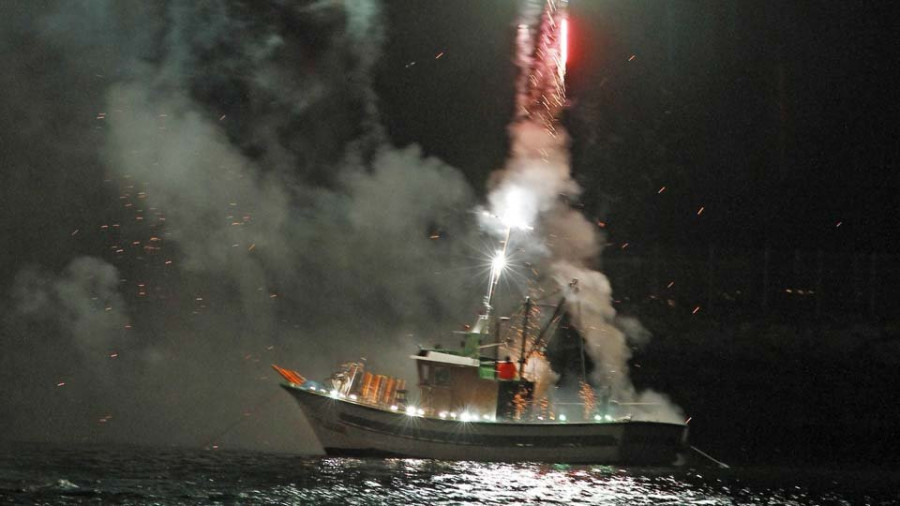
{"points": [[527, 191], [537, 171]]}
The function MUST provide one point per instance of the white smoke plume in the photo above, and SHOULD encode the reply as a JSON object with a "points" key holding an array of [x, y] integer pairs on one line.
{"points": [[536, 188], [245, 139], [83, 302], [324, 238]]}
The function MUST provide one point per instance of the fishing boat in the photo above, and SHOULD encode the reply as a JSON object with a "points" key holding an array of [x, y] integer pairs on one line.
{"points": [[354, 425], [473, 405]]}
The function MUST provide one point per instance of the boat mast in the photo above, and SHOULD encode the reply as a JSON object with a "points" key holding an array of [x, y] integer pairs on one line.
{"points": [[581, 347], [524, 336], [498, 263], [497, 266]]}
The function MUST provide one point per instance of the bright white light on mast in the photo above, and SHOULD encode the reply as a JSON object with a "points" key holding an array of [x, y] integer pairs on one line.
{"points": [[499, 263]]}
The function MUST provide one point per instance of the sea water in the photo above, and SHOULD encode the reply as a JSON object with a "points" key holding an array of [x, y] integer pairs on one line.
{"points": [[59, 475]]}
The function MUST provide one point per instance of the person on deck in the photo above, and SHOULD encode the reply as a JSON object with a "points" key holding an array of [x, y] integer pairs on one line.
{"points": [[506, 370]]}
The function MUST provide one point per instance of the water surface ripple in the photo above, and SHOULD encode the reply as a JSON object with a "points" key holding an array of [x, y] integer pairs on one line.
{"points": [[44, 474]]}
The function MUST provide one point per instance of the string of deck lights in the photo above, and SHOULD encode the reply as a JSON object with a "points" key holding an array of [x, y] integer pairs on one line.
{"points": [[414, 411]]}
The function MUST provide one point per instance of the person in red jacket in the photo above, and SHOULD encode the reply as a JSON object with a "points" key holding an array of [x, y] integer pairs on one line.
{"points": [[506, 370]]}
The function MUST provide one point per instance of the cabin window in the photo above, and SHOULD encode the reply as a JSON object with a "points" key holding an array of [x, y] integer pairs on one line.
{"points": [[424, 374], [441, 377]]}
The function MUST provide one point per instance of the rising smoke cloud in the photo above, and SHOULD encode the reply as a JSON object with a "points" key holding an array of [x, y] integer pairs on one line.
{"points": [[536, 187], [259, 217], [83, 300]]}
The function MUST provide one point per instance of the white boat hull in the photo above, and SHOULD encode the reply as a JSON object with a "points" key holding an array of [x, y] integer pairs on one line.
{"points": [[345, 427]]}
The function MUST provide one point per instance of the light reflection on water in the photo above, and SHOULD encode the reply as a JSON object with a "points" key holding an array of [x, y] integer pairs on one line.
{"points": [[412, 482], [167, 476]]}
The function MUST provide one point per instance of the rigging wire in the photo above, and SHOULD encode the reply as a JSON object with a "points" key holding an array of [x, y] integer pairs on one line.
{"points": [[248, 414]]}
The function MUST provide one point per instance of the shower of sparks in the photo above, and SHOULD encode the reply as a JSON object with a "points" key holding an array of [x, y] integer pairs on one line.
{"points": [[543, 92]]}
